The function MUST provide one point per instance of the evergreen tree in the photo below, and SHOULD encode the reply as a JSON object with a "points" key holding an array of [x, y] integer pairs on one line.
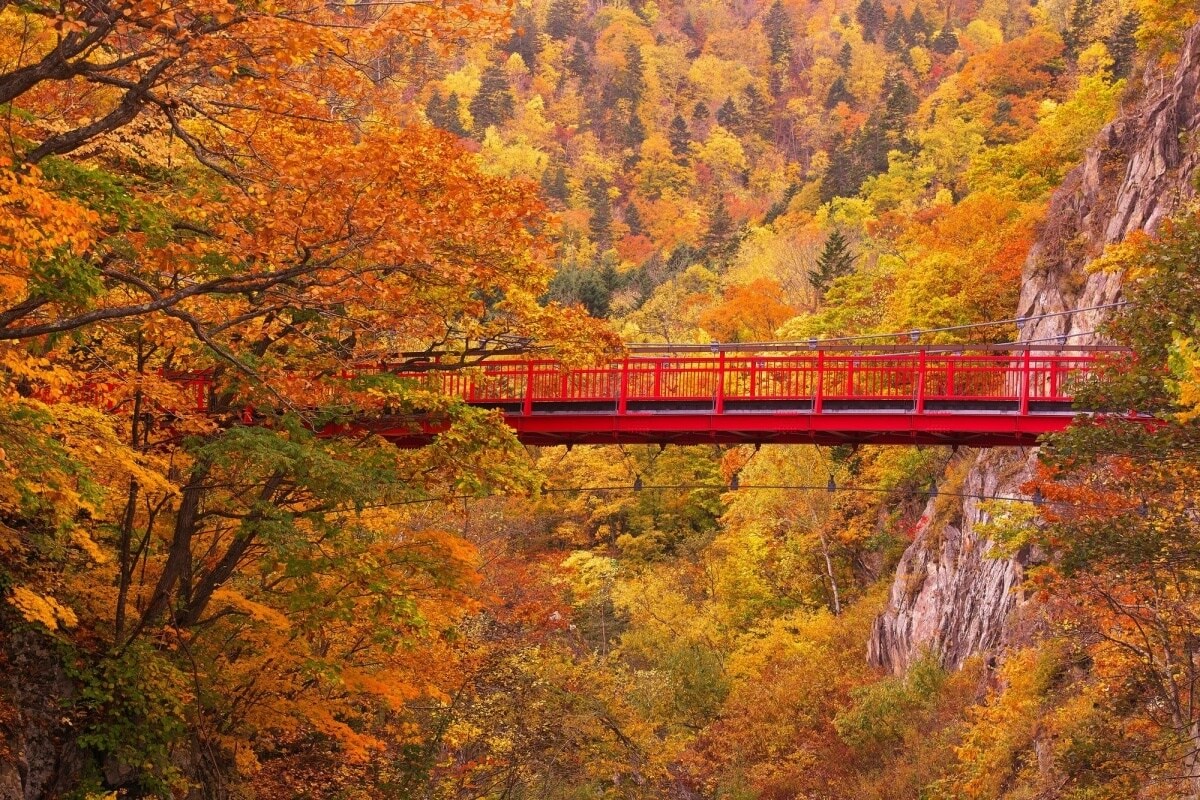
{"points": [[720, 229], [842, 177], [453, 121], [600, 226], [728, 115], [633, 220], [845, 56], [524, 40], [945, 42], [700, 111], [1122, 46], [554, 183], [635, 130], [493, 103], [919, 26], [898, 38], [562, 18], [679, 136], [445, 113], [778, 26], [580, 62], [630, 82], [435, 109], [899, 104], [1077, 34], [871, 147], [872, 17], [758, 114], [838, 93], [836, 259]]}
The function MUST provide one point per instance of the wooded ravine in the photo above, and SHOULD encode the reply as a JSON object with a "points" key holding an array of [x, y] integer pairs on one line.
{"points": [[227, 227]]}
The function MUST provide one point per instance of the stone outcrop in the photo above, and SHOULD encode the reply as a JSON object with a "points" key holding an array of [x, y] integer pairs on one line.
{"points": [[952, 596]]}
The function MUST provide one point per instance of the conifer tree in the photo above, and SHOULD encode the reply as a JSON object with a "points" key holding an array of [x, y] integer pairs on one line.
{"points": [[630, 82], [633, 219], [728, 115], [444, 113], [493, 103], [836, 259], [838, 93], [872, 17], [845, 56], [600, 226], [720, 228], [758, 114], [945, 42], [524, 40], [1122, 45], [898, 36], [580, 62], [700, 111], [635, 130], [554, 183], [679, 136], [778, 27], [562, 18], [919, 26]]}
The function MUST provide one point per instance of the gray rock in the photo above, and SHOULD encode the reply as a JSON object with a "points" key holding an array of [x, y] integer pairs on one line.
{"points": [[951, 597]]}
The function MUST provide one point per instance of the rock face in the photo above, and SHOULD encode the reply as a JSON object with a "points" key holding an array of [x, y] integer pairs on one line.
{"points": [[951, 596]]}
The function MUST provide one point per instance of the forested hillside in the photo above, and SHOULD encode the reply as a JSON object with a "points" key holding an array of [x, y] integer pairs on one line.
{"points": [[210, 211]]}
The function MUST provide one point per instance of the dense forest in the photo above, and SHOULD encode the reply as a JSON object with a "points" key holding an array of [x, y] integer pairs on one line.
{"points": [[237, 201]]}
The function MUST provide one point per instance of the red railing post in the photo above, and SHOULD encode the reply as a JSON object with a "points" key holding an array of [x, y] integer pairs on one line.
{"points": [[623, 390], [819, 390], [921, 382], [1055, 361], [720, 401], [850, 364], [658, 370], [527, 406], [950, 374], [1025, 367], [753, 377]]}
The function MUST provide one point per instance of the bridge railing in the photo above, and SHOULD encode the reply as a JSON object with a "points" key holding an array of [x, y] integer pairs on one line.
{"points": [[922, 377], [917, 380]]}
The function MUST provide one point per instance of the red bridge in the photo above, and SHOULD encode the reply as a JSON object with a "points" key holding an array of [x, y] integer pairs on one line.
{"points": [[987, 396]]}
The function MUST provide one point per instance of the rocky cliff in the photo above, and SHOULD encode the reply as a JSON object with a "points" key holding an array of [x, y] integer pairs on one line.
{"points": [[951, 595]]}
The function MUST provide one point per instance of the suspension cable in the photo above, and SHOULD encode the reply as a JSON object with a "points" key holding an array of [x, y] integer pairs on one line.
{"points": [[910, 334]]}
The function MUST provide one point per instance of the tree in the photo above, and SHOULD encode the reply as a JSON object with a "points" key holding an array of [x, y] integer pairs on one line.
{"points": [[845, 56], [445, 113], [1120, 516], [838, 93], [524, 40], [635, 129], [633, 219], [601, 221], [1122, 45], [493, 103], [920, 27], [680, 137], [720, 228], [728, 115], [778, 26], [836, 259], [562, 18], [945, 42], [554, 183], [872, 17], [580, 61], [700, 111]]}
